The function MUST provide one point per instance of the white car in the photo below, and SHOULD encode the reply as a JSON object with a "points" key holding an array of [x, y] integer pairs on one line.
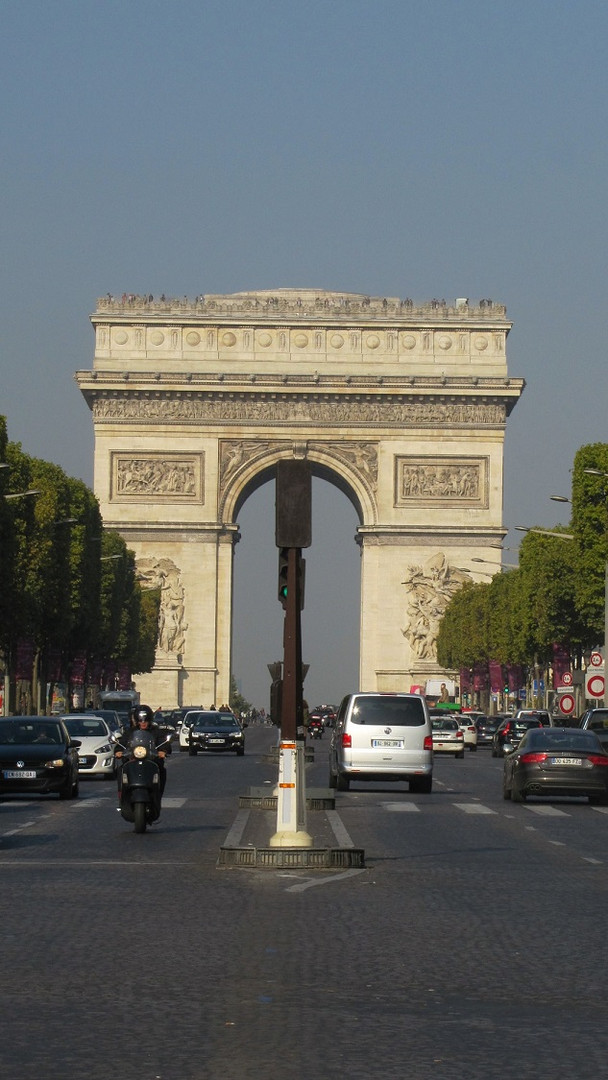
{"points": [[97, 745], [447, 736], [466, 723], [184, 729]]}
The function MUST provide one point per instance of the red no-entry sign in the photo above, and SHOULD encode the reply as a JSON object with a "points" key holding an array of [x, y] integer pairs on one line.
{"points": [[566, 703], [594, 686]]}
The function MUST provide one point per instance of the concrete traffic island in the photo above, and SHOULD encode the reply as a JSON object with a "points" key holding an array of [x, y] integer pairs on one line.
{"points": [[272, 829], [247, 844]]}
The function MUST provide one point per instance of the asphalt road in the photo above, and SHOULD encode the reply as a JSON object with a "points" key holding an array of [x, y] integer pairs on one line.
{"points": [[471, 947]]}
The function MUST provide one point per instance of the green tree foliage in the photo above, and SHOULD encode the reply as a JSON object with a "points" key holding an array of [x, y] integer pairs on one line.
{"points": [[238, 703], [463, 633], [590, 526], [66, 583]]}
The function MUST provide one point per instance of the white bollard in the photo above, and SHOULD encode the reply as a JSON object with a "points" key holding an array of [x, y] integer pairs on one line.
{"points": [[291, 800]]}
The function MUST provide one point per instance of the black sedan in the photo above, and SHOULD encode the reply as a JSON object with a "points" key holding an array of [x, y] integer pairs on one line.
{"points": [[37, 756], [510, 731], [211, 730], [486, 726], [557, 761]]}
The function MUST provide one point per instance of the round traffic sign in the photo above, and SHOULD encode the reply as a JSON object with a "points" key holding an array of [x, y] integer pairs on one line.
{"points": [[596, 659], [566, 703], [595, 686], [567, 678]]}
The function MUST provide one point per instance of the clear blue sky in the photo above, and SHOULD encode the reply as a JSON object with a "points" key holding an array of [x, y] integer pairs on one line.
{"points": [[396, 148]]}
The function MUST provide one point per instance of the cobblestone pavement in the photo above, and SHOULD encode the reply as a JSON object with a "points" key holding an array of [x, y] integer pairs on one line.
{"points": [[468, 948]]}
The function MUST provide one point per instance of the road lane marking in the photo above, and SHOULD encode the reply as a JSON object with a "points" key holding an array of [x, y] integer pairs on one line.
{"points": [[339, 829], [323, 881], [547, 811], [398, 807], [233, 840], [474, 808], [25, 825], [172, 804]]}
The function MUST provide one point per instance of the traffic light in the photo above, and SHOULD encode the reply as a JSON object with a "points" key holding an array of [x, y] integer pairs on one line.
{"points": [[283, 568], [283, 573]]}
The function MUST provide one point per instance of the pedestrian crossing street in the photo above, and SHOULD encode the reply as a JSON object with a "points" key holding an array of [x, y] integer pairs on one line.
{"points": [[540, 809]]}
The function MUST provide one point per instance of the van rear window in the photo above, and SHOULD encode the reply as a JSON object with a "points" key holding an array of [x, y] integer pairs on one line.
{"points": [[397, 712]]}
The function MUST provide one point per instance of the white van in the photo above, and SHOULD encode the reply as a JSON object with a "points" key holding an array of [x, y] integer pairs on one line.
{"points": [[382, 736]]}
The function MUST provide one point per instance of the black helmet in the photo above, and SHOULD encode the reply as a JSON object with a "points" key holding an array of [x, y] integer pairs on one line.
{"points": [[143, 712]]}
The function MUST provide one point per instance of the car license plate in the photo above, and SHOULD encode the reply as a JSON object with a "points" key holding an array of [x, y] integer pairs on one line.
{"points": [[397, 743], [220, 741], [19, 774], [82, 760], [565, 761]]}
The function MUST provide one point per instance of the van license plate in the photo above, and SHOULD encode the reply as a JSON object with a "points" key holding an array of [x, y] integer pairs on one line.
{"points": [[397, 743]]}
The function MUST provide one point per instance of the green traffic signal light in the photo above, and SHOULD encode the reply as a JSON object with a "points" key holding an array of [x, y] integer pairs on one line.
{"points": [[283, 564]]}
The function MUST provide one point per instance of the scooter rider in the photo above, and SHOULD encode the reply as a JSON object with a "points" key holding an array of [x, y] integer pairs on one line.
{"points": [[144, 721]]}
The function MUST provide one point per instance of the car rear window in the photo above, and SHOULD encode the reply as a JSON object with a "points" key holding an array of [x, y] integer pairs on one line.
{"points": [[398, 712], [444, 725], [563, 740]]}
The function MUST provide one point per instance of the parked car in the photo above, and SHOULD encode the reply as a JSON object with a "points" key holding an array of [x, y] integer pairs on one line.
{"points": [[382, 736], [596, 720], [510, 732], [97, 745], [216, 731], [486, 726], [37, 756], [557, 761], [448, 737]]}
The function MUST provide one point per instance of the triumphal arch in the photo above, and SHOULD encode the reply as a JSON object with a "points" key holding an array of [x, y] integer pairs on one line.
{"points": [[401, 405]]}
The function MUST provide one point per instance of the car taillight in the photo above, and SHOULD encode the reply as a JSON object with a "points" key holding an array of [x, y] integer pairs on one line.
{"points": [[460, 734], [506, 729], [347, 740], [534, 758], [471, 729], [428, 742], [597, 759]]}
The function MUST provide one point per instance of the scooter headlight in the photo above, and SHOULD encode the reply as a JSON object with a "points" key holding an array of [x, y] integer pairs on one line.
{"points": [[139, 751]]}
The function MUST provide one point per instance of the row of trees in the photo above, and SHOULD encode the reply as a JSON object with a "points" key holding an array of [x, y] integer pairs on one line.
{"points": [[71, 607], [555, 597]]}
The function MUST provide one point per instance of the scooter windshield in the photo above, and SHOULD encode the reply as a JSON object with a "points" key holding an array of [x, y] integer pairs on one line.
{"points": [[144, 738]]}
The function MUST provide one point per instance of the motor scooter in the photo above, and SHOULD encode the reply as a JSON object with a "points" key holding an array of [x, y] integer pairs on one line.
{"points": [[139, 780], [315, 729]]}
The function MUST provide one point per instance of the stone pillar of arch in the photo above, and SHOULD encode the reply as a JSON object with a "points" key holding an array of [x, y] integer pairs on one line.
{"points": [[402, 407]]}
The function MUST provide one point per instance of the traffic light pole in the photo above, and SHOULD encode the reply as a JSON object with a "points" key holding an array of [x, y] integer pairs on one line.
{"points": [[291, 792], [292, 534]]}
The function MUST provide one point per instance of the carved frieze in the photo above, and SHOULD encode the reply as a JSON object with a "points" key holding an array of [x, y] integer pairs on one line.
{"points": [[441, 481], [252, 409], [429, 589], [157, 476]]}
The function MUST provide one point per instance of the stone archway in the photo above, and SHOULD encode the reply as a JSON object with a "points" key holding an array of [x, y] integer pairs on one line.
{"points": [[402, 407]]}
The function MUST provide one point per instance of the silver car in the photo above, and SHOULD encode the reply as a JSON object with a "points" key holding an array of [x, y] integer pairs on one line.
{"points": [[382, 736]]}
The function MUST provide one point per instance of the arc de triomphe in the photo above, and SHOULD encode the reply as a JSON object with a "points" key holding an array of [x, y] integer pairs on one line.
{"points": [[401, 406]]}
